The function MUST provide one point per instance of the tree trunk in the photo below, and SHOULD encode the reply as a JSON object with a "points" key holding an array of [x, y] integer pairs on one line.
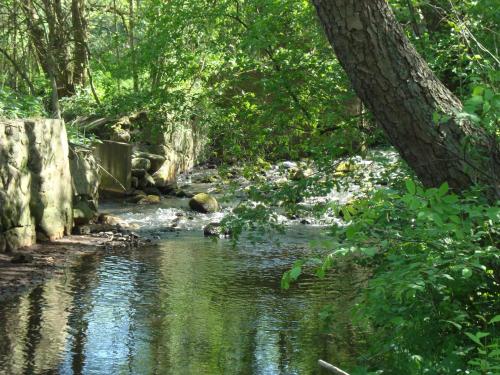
{"points": [[80, 39], [413, 16], [131, 30], [51, 48], [404, 95]]}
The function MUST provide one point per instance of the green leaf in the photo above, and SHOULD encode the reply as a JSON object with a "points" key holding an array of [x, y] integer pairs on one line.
{"points": [[458, 326], [480, 335], [495, 319], [466, 273], [478, 91], [435, 118], [295, 272], [450, 199], [411, 187], [369, 251], [477, 337], [443, 189], [285, 280]]}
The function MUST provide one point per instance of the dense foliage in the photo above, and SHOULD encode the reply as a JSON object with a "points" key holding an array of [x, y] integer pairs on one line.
{"points": [[258, 73], [433, 299], [260, 76]]}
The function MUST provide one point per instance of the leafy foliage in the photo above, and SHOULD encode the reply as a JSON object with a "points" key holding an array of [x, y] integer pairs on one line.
{"points": [[13, 105], [433, 299]]}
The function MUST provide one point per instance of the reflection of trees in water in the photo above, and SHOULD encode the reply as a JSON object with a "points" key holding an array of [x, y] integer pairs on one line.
{"points": [[33, 334], [203, 325], [179, 309], [82, 283], [9, 322], [38, 324], [144, 300]]}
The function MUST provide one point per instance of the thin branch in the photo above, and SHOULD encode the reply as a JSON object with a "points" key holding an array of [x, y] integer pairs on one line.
{"points": [[331, 368], [277, 67]]}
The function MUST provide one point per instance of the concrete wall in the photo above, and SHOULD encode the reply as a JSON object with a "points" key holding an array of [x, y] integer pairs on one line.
{"points": [[115, 159], [35, 182]]}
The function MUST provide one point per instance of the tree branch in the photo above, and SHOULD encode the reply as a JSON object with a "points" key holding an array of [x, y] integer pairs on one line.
{"points": [[19, 70]]}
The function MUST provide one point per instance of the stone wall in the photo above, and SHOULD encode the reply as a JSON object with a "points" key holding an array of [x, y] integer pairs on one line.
{"points": [[159, 151], [35, 182], [182, 146], [85, 180]]}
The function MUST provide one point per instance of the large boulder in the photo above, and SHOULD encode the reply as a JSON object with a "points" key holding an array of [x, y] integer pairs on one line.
{"points": [[166, 175], [108, 219], [204, 203], [139, 173], [155, 160], [146, 181], [120, 135], [51, 189], [150, 199], [119, 132]]}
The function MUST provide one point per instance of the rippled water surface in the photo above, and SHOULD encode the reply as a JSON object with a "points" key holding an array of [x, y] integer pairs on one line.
{"points": [[186, 306]]}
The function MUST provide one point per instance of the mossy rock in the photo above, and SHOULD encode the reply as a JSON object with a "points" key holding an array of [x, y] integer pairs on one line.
{"points": [[204, 203], [344, 168], [83, 213], [150, 199], [212, 179], [262, 164], [300, 174], [141, 163]]}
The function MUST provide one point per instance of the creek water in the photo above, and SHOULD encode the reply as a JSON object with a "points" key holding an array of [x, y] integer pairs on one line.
{"points": [[184, 305]]}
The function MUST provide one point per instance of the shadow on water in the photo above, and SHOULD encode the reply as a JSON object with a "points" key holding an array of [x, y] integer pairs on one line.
{"points": [[187, 306]]}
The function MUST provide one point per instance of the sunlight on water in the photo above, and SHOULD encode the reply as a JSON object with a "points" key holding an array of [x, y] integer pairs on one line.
{"points": [[187, 306]]}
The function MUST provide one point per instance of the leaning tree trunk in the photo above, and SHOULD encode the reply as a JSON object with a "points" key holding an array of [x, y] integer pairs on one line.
{"points": [[404, 95]]}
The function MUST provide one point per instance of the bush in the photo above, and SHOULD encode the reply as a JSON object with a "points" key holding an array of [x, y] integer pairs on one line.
{"points": [[432, 303], [13, 105]]}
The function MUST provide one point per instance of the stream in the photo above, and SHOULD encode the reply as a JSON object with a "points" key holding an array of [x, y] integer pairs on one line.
{"points": [[185, 304]]}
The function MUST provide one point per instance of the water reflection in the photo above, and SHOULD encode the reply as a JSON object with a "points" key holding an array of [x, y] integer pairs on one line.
{"points": [[188, 306]]}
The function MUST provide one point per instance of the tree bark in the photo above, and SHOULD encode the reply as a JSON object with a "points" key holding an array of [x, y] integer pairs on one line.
{"points": [[80, 57], [52, 48], [413, 16], [58, 46], [43, 53], [131, 30], [404, 95]]}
